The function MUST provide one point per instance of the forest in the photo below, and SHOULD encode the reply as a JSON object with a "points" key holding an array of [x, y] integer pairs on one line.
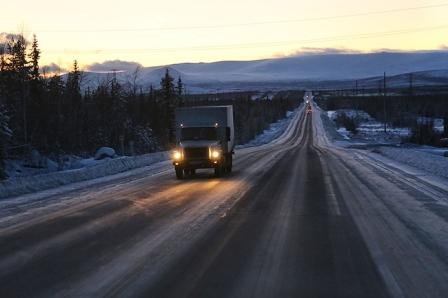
{"points": [[55, 115]]}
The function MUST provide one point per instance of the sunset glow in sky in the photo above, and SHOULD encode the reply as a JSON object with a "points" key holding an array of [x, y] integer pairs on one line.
{"points": [[166, 32]]}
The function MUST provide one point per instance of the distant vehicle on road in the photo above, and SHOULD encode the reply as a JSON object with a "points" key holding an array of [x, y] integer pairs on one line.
{"points": [[308, 107], [205, 138]]}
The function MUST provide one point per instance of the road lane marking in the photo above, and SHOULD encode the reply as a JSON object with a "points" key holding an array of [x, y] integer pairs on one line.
{"points": [[332, 202]]}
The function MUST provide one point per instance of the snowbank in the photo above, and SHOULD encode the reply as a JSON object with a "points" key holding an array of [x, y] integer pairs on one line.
{"points": [[105, 152], [423, 160], [273, 132], [22, 185]]}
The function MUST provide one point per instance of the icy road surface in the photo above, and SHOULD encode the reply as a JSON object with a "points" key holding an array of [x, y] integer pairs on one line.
{"points": [[299, 217]]}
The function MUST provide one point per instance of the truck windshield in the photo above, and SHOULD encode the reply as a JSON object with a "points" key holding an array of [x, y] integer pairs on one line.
{"points": [[198, 133]]}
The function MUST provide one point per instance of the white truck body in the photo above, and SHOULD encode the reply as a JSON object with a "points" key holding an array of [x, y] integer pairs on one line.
{"points": [[205, 138], [220, 117]]}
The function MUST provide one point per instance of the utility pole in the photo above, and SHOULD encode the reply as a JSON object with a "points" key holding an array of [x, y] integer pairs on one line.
{"points": [[411, 84], [217, 94], [384, 101]]}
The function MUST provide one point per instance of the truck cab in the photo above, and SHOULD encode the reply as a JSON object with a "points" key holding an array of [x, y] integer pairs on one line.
{"points": [[204, 139]]}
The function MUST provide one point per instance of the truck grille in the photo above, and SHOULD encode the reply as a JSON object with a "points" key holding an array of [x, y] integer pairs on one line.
{"points": [[201, 153]]}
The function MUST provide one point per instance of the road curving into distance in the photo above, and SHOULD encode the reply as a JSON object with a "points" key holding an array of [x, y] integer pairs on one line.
{"points": [[297, 217]]}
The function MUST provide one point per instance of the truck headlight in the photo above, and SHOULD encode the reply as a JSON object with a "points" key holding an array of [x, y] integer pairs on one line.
{"points": [[215, 154], [177, 155]]}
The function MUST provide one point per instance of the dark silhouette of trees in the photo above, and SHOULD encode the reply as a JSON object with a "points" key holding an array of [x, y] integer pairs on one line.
{"points": [[5, 135], [169, 101], [179, 87], [34, 57], [16, 76], [56, 116], [251, 116]]}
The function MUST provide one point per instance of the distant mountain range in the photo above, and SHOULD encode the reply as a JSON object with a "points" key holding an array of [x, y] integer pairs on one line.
{"points": [[429, 68]]}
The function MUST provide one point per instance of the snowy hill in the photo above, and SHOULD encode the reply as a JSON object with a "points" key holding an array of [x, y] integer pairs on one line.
{"points": [[319, 66], [431, 67]]}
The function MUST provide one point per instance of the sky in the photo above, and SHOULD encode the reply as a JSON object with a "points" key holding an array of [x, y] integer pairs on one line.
{"points": [[167, 32]]}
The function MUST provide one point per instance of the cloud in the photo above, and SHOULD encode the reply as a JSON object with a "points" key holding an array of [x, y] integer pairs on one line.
{"points": [[53, 68], [307, 51], [441, 49], [113, 65]]}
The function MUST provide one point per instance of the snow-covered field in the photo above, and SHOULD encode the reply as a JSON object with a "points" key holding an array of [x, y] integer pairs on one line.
{"points": [[438, 122], [415, 157], [369, 130], [371, 137]]}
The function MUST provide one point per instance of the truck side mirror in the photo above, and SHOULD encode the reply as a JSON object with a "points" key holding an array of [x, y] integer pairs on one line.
{"points": [[228, 134]]}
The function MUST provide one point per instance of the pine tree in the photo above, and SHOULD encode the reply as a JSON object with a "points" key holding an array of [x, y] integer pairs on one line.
{"points": [[167, 87], [18, 71], [180, 91], [73, 107], [57, 118], [169, 103], [38, 102], [73, 85], [119, 118], [180, 87], [34, 56], [5, 135], [16, 60]]}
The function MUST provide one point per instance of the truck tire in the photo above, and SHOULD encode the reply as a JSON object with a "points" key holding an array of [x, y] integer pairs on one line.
{"points": [[218, 171], [228, 167], [179, 173]]}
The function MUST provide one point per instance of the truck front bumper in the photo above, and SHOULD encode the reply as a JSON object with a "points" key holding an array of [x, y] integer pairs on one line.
{"points": [[198, 163]]}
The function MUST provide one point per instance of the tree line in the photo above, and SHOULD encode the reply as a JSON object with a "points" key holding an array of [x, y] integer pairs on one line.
{"points": [[252, 113], [57, 116]]}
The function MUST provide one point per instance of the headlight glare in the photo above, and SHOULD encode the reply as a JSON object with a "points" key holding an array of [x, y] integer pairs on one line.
{"points": [[177, 155], [215, 154]]}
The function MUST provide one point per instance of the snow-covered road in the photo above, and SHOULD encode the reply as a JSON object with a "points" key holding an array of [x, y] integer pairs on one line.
{"points": [[298, 217]]}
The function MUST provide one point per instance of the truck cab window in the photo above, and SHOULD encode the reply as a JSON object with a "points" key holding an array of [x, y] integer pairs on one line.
{"points": [[199, 133]]}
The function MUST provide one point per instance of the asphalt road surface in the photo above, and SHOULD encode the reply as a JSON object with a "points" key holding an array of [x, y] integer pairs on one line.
{"points": [[296, 218]]}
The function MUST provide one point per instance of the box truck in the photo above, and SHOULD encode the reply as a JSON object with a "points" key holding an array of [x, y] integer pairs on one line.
{"points": [[205, 138]]}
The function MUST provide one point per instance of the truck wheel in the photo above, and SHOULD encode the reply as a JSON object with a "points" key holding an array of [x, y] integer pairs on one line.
{"points": [[179, 173], [229, 165], [218, 171]]}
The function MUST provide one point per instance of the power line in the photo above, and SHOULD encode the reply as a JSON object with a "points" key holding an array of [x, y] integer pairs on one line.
{"points": [[273, 43], [303, 20]]}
